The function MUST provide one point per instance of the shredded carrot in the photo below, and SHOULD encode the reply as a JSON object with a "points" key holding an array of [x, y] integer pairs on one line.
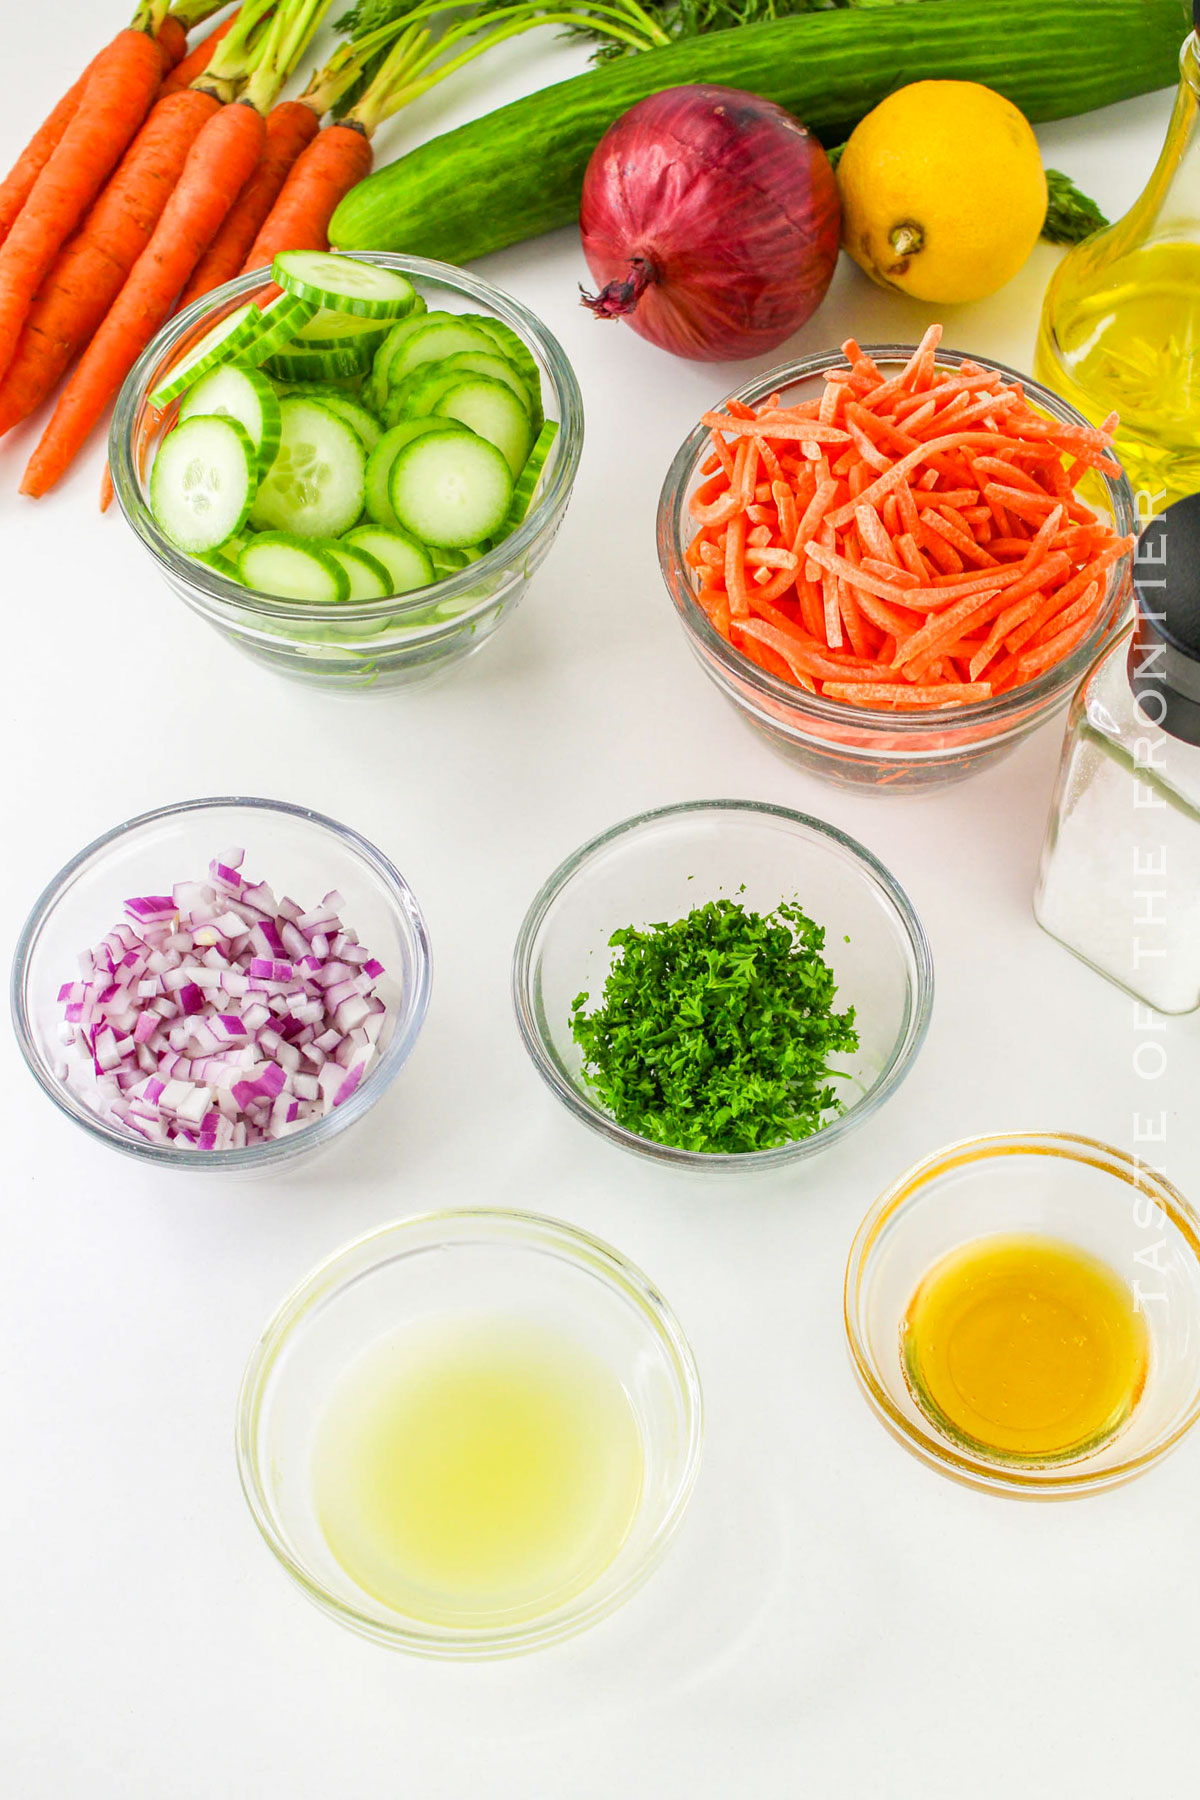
{"points": [[914, 541]]}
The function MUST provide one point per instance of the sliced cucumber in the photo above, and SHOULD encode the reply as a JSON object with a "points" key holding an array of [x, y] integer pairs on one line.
{"points": [[346, 407], [492, 411], [278, 323], [299, 364], [500, 368], [438, 336], [406, 560], [342, 284], [292, 568], [517, 352], [314, 487], [232, 392], [230, 338], [224, 559], [414, 397], [368, 577], [202, 482], [529, 477], [334, 331], [379, 464], [392, 342], [450, 488]]}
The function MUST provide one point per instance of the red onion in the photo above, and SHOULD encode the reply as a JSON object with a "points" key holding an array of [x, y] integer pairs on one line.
{"points": [[711, 220], [221, 1016]]}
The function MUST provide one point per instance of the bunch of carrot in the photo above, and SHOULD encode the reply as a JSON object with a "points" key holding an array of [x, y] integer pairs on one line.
{"points": [[910, 541], [148, 185]]}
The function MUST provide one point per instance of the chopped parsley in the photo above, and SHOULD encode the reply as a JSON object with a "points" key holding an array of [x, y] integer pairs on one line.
{"points": [[715, 1033]]}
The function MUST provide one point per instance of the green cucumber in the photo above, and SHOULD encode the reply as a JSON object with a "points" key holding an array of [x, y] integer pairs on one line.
{"points": [[450, 488], [403, 556], [368, 578], [314, 488], [202, 482], [337, 331], [346, 407], [384, 454], [292, 568], [277, 325], [517, 172], [228, 339], [377, 381], [340, 284], [518, 353], [492, 411], [500, 367], [529, 477], [296, 364], [246, 395], [438, 335]]}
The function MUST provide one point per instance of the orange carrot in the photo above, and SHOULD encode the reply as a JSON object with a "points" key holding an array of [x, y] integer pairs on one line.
{"points": [[91, 270], [17, 185], [115, 101], [220, 161], [197, 60], [928, 564], [337, 160], [291, 127]]}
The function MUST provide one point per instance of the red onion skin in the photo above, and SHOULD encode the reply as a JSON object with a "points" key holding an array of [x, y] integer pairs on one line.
{"points": [[710, 220]]}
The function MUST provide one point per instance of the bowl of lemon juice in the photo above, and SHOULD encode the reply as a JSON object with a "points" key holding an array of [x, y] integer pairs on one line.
{"points": [[1023, 1313], [470, 1434]]}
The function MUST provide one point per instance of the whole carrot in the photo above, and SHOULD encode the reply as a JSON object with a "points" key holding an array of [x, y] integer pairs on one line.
{"points": [[90, 271], [334, 162], [220, 161], [116, 100], [291, 127], [17, 185], [197, 60]]}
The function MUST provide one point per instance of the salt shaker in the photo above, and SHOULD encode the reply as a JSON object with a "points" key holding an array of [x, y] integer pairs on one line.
{"points": [[1119, 882]]}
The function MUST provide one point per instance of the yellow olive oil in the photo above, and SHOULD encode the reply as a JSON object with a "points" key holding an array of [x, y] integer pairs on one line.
{"points": [[1024, 1348], [1124, 336], [477, 1471]]}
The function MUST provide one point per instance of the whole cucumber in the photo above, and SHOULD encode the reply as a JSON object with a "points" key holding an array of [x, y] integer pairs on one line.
{"points": [[519, 171]]}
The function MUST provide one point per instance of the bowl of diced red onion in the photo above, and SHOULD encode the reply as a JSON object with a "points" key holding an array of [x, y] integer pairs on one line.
{"points": [[221, 984]]}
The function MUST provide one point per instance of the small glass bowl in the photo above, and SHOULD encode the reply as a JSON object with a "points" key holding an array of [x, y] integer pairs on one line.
{"points": [[538, 1270], [661, 865], [1063, 1186], [296, 852], [373, 644], [858, 746]]}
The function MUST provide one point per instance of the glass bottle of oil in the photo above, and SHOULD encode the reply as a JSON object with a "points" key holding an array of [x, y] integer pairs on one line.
{"points": [[1120, 328]]}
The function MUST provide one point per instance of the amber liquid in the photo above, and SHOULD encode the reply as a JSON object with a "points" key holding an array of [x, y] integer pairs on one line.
{"points": [[1124, 337], [1025, 1349]]}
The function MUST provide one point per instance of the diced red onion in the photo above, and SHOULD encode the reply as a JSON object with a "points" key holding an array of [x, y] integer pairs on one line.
{"points": [[221, 1017]]}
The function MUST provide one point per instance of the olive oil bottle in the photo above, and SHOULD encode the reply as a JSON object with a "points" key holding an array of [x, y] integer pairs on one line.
{"points": [[1120, 328]]}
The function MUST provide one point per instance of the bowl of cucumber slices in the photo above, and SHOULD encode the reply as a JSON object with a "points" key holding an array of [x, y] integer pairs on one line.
{"points": [[351, 466]]}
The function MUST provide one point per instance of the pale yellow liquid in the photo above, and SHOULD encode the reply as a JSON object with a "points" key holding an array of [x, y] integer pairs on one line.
{"points": [[1025, 1348], [1124, 336], [477, 1471]]}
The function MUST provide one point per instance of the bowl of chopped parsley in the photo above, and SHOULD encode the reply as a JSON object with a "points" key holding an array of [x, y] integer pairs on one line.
{"points": [[723, 983]]}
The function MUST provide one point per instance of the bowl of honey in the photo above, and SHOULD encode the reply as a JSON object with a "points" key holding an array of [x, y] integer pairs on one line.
{"points": [[1022, 1313], [470, 1434]]}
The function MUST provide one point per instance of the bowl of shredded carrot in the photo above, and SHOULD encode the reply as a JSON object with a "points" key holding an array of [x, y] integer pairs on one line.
{"points": [[895, 561]]}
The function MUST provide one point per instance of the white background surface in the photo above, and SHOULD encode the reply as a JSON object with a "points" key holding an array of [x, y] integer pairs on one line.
{"points": [[835, 1619]]}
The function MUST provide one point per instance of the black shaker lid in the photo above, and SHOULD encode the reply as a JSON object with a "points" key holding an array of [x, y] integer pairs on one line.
{"points": [[1164, 654]]}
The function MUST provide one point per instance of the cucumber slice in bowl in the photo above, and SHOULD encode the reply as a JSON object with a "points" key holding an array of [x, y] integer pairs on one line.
{"points": [[292, 568], [517, 352], [492, 411], [231, 337], [450, 488], [341, 284], [437, 336], [202, 482], [406, 560], [277, 325], [314, 488], [298, 363], [335, 331], [346, 407], [369, 579], [381, 458], [232, 392]]}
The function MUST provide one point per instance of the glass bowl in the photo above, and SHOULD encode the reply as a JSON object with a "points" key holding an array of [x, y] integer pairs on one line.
{"points": [[431, 1268], [296, 852], [372, 644], [1067, 1187], [859, 746], [662, 864]]}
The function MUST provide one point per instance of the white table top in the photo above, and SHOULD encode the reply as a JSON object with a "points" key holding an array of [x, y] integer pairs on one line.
{"points": [[834, 1615]]}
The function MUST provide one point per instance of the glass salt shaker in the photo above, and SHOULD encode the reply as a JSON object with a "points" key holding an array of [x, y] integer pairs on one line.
{"points": [[1119, 882]]}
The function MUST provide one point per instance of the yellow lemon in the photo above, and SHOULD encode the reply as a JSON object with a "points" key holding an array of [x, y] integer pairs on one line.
{"points": [[943, 191]]}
